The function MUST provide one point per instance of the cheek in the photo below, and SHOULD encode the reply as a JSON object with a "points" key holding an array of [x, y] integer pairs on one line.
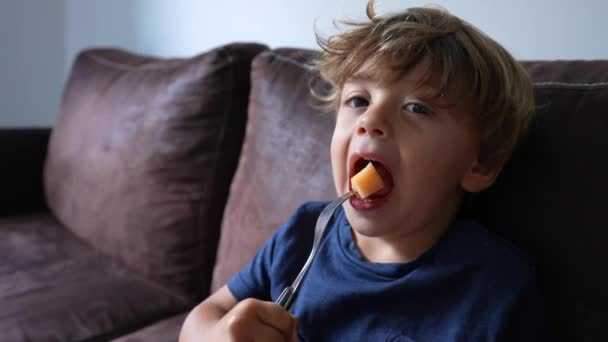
{"points": [[445, 158], [339, 154], [463, 152], [453, 164]]}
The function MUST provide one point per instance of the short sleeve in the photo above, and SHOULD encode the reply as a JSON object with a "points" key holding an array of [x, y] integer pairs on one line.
{"points": [[288, 246], [253, 281]]}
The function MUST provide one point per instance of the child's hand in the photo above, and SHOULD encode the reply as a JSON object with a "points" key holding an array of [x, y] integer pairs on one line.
{"points": [[256, 320]]}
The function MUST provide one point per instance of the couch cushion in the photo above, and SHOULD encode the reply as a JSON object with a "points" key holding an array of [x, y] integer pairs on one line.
{"points": [[54, 287], [551, 198], [164, 331], [285, 159], [142, 155]]}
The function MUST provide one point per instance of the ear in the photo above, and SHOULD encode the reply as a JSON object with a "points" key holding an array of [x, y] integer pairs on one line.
{"points": [[480, 176]]}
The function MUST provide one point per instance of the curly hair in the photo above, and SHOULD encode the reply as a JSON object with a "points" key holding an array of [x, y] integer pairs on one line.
{"points": [[463, 63]]}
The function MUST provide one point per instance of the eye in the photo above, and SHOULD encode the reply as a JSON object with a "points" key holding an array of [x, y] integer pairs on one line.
{"points": [[357, 101], [417, 108]]}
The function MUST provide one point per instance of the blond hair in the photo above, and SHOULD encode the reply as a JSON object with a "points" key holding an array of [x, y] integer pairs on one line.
{"points": [[463, 62]]}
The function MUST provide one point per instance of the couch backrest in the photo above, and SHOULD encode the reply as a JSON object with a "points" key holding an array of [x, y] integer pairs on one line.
{"points": [[142, 155], [549, 200], [285, 158]]}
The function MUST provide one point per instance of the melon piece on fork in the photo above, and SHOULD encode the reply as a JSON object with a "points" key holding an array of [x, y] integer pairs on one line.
{"points": [[367, 181]]}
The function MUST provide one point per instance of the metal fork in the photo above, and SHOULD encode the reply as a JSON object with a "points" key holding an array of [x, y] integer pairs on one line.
{"points": [[289, 294]]}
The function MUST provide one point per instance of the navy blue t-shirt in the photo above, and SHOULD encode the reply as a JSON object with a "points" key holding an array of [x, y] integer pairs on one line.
{"points": [[470, 286]]}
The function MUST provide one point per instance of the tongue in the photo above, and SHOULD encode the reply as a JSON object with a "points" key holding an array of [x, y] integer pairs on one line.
{"points": [[386, 178]]}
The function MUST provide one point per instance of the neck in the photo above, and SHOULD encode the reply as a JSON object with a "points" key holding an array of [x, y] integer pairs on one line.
{"points": [[407, 244]]}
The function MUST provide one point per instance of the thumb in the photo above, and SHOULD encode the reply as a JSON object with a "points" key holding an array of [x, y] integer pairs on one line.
{"points": [[294, 335]]}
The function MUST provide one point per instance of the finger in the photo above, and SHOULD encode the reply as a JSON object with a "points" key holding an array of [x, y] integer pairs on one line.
{"points": [[265, 333], [239, 327], [294, 336], [245, 326], [275, 316]]}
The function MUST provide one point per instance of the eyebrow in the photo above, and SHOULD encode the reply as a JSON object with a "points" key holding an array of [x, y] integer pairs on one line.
{"points": [[425, 88], [362, 76]]}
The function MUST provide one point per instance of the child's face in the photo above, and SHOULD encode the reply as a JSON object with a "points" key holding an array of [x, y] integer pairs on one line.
{"points": [[428, 155]]}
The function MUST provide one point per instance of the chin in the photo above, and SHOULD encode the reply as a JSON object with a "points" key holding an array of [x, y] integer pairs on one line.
{"points": [[364, 223]]}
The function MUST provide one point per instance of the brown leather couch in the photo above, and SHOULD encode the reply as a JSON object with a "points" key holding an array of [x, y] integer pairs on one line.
{"points": [[125, 214]]}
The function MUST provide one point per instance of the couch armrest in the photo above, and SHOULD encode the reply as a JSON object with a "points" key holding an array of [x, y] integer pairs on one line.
{"points": [[22, 156]]}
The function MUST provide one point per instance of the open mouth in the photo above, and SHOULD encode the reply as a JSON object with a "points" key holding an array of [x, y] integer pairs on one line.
{"points": [[379, 197]]}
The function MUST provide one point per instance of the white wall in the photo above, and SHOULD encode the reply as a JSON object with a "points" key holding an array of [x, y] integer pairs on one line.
{"points": [[98, 23], [530, 29], [32, 55], [539, 29]]}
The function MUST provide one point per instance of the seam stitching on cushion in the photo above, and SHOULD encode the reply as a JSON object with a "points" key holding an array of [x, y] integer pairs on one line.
{"points": [[289, 60], [149, 65], [548, 84], [226, 117], [156, 286]]}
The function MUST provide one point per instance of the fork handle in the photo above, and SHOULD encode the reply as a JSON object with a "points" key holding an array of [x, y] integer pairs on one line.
{"points": [[286, 298]]}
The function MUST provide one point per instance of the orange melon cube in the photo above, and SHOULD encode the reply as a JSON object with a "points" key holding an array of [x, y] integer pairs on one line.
{"points": [[367, 181]]}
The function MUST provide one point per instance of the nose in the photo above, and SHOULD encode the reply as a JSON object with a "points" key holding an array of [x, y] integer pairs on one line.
{"points": [[373, 123]]}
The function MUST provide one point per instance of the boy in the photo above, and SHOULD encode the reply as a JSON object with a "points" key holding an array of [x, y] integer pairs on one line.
{"points": [[437, 106]]}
